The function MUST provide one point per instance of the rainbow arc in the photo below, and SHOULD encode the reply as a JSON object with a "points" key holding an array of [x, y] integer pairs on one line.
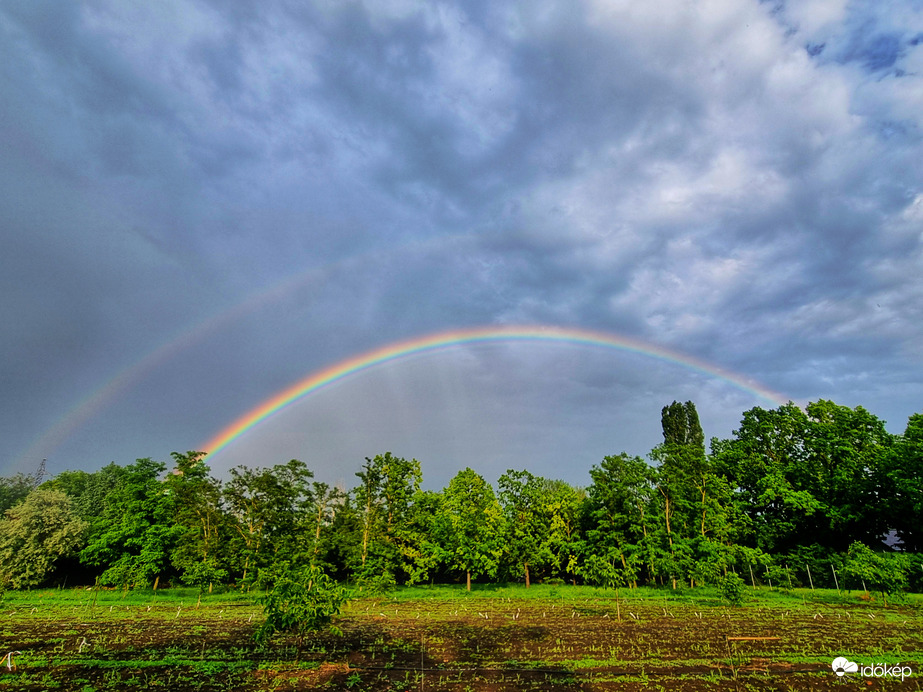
{"points": [[349, 367]]}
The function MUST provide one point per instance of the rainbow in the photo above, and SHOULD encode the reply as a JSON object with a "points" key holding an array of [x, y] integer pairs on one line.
{"points": [[446, 339]]}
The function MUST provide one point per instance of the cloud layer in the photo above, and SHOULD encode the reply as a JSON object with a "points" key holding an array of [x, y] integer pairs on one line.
{"points": [[199, 205]]}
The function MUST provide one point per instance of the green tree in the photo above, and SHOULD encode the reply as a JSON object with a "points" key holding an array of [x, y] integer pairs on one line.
{"points": [[900, 479], [14, 490], [388, 485], [528, 521], [326, 501], [847, 447], [88, 491], [195, 498], [615, 519], [271, 514], [421, 552], [34, 535], [300, 600], [682, 471], [563, 505], [132, 537], [767, 464], [885, 572], [471, 523]]}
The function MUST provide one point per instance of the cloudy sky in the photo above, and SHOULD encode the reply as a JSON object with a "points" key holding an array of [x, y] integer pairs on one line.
{"points": [[202, 203]]}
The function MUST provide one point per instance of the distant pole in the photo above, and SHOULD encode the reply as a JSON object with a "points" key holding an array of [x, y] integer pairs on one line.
{"points": [[768, 578], [835, 580], [789, 573], [752, 580], [809, 576]]}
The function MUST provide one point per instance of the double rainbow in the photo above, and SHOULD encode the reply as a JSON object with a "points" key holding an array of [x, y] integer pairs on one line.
{"points": [[442, 340]]}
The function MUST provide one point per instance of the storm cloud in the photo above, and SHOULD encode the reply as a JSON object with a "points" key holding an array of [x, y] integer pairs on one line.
{"points": [[200, 204]]}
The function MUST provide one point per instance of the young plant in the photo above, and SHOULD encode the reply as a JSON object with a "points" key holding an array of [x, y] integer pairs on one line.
{"points": [[731, 586], [301, 600]]}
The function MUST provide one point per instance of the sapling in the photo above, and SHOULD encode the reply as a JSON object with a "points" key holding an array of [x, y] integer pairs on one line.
{"points": [[301, 600]]}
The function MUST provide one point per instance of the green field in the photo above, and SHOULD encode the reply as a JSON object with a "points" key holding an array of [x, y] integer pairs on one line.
{"points": [[442, 638]]}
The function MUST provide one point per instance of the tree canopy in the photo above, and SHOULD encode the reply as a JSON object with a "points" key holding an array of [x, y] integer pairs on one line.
{"points": [[822, 487]]}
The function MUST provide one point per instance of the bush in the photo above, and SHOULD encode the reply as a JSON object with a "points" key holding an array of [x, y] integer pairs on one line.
{"points": [[884, 572], [731, 587], [301, 600]]}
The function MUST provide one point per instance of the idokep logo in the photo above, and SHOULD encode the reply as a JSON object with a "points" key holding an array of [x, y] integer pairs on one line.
{"points": [[841, 666]]}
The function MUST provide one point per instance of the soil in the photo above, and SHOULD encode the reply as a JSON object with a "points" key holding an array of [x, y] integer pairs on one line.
{"points": [[463, 644]]}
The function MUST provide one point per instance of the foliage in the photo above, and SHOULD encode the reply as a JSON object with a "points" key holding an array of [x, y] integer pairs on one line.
{"points": [[133, 536], [301, 600], [204, 574], [900, 485], [731, 587], [471, 524], [268, 512], [34, 535], [14, 490], [799, 494], [527, 521], [194, 499], [389, 546], [884, 572], [615, 519]]}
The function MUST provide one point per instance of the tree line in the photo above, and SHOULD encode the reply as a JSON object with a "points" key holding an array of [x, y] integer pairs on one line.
{"points": [[823, 495]]}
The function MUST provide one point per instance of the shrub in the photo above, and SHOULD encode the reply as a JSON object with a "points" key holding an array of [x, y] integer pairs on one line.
{"points": [[731, 587], [300, 601]]}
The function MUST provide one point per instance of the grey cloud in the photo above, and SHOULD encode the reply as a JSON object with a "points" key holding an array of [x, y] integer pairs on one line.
{"points": [[260, 191]]}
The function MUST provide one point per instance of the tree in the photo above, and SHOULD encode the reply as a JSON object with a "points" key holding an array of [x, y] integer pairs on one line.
{"points": [[14, 490], [562, 504], [88, 491], [134, 534], [300, 600], [326, 501], [271, 513], [195, 498], [682, 469], [470, 524], [846, 448], [766, 465], [383, 499], [901, 485], [34, 535], [615, 519], [527, 520], [421, 551], [882, 571]]}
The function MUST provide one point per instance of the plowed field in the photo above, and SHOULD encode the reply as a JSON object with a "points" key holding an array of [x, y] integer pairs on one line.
{"points": [[560, 638]]}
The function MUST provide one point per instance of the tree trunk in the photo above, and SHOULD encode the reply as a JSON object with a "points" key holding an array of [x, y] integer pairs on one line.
{"points": [[526, 565]]}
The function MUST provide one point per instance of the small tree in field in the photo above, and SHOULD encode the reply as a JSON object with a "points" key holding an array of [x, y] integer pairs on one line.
{"points": [[731, 587], [301, 600]]}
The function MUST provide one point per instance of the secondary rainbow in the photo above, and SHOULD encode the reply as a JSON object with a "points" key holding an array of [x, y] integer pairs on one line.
{"points": [[447, 339]]}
